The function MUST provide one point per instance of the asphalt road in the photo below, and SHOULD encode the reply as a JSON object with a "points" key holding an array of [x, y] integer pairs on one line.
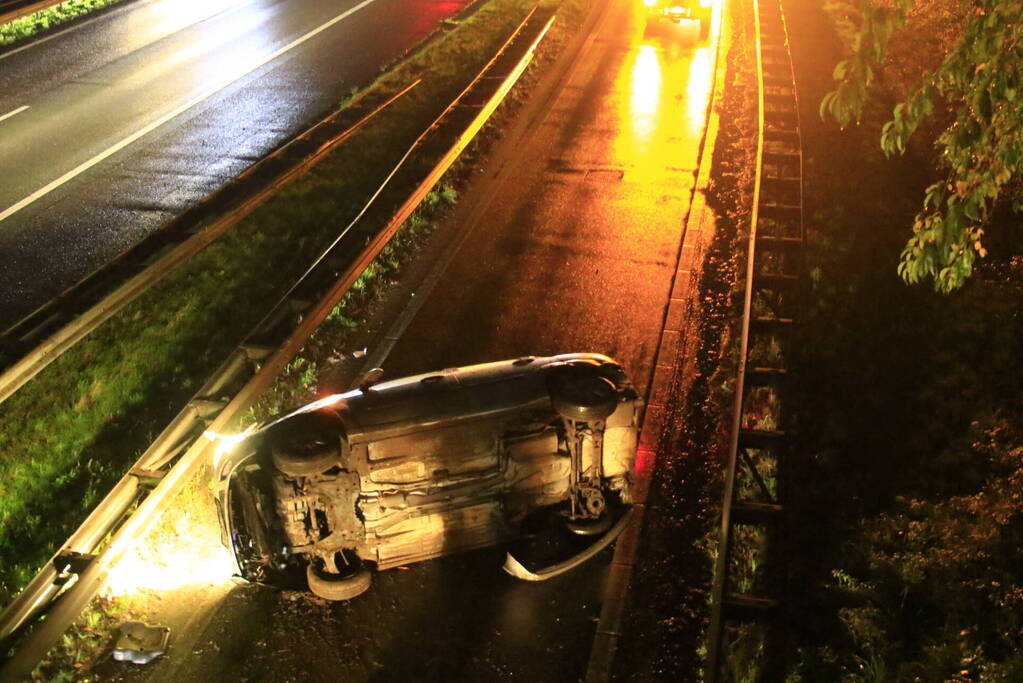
{"points": [[572, 236], [111, 127]]}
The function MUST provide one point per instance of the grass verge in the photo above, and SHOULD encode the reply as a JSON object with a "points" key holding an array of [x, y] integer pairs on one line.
{"points": [[39, 22]]}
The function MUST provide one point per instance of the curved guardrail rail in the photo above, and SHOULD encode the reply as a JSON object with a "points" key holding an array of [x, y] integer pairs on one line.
{"points": [[66, 584], [749, 573], [43, 336]]}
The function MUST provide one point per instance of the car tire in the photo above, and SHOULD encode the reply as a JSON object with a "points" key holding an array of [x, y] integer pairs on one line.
{"points": [[336, 588], [307, 444], [589, 527], [704, 27], [580, 392]]}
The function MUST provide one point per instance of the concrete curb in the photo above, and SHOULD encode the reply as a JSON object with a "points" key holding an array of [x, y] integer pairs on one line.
{"points": [[700, 225]]}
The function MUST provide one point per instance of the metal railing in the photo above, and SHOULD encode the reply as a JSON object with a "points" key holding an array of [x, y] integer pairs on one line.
{"points": [[754, 478], [183, 447]]}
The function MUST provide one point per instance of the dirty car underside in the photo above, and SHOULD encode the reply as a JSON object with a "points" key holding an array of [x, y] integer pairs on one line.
{"points": [[420, 467]]}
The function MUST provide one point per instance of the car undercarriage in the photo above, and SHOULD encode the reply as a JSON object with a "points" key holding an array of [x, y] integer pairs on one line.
{"points": [[429, 466]]}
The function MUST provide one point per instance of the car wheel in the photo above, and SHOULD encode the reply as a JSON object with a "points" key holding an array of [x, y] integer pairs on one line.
{"points": [[307, 444], [589, 527], [704, 27], [579, 392], [338, 586]]}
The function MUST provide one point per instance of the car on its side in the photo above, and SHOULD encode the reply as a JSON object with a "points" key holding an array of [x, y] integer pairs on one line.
{"points": [[416, 468], [675, 11]]}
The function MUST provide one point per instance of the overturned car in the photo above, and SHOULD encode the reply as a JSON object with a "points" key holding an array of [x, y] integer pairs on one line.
{"points": [[415, 468]]}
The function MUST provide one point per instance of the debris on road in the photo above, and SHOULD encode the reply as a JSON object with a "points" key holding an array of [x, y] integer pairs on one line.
{"points": [[141, 643]]}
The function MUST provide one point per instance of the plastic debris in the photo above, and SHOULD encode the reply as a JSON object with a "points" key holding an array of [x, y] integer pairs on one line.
{"points": [[141, 643]]}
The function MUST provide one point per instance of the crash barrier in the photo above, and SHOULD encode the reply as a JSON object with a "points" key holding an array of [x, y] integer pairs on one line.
{"points": [[44, 335], [751, 542], [75, 573]]}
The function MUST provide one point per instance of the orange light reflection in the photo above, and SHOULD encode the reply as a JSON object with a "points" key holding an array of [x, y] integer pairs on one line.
{"points": [[698, 88], [645, 98]]}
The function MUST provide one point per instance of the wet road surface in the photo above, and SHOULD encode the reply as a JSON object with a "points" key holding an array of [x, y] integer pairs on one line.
{"points": [[574, 236], [112, 127]]}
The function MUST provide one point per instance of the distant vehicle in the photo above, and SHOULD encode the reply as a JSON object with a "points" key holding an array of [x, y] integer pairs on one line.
{"points": [[675, 11], [420, 467]]}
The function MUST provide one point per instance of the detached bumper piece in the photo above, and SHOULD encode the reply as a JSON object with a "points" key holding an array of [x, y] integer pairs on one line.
{"points": [[141, 643], [519, 571]]}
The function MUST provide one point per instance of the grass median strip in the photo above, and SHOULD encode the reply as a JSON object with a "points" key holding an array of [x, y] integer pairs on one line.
{"points": [[69, 434], [31, 25]]}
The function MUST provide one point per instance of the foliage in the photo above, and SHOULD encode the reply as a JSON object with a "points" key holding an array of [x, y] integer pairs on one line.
{"points": [[887, 558], [941, 592], [980, 151], [88, 641], [45, 19], [300, 381]]}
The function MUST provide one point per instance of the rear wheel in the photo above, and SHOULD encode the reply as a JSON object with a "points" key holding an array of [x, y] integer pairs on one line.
{"points": [[338, 586], [581, 393]]}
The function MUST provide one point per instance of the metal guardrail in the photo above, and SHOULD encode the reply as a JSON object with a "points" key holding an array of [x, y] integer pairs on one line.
{"points": [[43, 336], [80, 568], [754, 480]]}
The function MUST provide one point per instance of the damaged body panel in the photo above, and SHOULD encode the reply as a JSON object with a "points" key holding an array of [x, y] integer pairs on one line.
{"points": [[420, 467]]}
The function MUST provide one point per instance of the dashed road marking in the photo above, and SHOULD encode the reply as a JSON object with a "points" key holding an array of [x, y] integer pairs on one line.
{"points": [[13, 113]]}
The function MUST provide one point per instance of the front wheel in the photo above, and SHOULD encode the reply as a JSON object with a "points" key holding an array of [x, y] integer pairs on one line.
{"points": [[336, 586], [307, 444]]}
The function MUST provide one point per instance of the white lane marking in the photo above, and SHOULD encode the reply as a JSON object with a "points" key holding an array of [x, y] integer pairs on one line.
{"points": [[13, 113], [113, 149]]}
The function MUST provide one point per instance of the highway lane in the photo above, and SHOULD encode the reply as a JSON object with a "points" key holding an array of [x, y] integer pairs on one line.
{"points": [[573, 237], [110, 128]]}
